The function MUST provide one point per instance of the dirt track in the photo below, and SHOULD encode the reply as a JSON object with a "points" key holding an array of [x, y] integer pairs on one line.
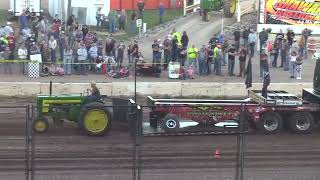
{"points": [[65, 154]]}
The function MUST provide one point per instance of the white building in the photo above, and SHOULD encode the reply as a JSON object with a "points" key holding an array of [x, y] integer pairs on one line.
{"points": [[84, 10]]}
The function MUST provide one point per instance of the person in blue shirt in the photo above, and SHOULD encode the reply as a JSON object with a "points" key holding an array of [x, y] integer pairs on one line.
{"points": [[161, 12]]}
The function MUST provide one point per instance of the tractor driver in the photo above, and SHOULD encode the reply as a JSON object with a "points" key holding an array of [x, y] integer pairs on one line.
{"points": [[95, 93]]}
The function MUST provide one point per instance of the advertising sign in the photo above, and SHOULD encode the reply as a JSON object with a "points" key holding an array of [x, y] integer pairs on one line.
{"points": [[295, 14], [291, 12]]}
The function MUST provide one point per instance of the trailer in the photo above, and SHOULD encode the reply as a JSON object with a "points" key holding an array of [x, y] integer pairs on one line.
{"points": [[268, 115], [17, 6]]}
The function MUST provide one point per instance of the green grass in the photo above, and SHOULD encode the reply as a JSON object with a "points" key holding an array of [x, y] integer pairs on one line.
{"points": [[150, 17]]}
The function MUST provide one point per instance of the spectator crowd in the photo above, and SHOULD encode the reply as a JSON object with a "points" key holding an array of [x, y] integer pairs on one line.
{"points": [[82, 51]]}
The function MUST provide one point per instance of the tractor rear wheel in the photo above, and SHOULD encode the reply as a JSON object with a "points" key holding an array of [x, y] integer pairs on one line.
{"points": [[301, 123], [40, 125], [95, 119], [270, 122], [229, 8]]}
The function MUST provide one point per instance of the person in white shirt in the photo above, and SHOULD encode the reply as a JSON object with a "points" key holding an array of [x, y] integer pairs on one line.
{"points": [[22, 55], [53, 47], [292, 63]]}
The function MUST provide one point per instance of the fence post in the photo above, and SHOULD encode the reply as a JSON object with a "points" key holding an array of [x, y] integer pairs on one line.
{"points": [[27, 146], [240, 145], [32, 143]]}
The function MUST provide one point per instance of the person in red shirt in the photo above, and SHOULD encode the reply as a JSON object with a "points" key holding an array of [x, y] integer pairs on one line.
{"points": [[12, 41], [55, 29]]}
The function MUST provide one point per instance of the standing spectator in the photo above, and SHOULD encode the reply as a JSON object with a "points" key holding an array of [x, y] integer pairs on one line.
{"points": [[290, 37], [110, 46], [67, 60], [182, 55], [280, 35], [209, 62], [132, 26], [213, 41], [71, 37], [98, 18], [23, 20], [43, 38], [192, 57], [225, 47], [45, 53], [135, 50], [100, 47], [8, 65], [284, 49], [129, 51], [202, 57], [174, 52], [232, 52], [120, 53], [264, 67], [301, 45], [167, 47], [122, 20], [184, 40], [161, 12], [275, 52], [22, 55], [263, 37], [252, 38], [85, 31], [93, 55], [306, 33], [292, 64], [71, 20], [35, 26], [156, 60], [242, 60], [299, 62], [82, 59], [78, 35], [44, 25], [29, 42], [237, 35], [12, 43], [112, 21], [62, 44], [55, 29], [57, 19], [53, 47], [217, 59], [245, 35]]}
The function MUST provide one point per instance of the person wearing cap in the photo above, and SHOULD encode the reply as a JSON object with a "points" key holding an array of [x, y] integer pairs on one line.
{"points": [[263, 37], [232, 52], [167, 47], [202, 58], [82, 59], [95, 93], [192, 57], [217, 54], [120, 53], [252, 38]]}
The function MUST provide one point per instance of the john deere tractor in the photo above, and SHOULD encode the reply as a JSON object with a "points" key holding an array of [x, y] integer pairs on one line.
{"points": [[228, 6], [93, 118]]}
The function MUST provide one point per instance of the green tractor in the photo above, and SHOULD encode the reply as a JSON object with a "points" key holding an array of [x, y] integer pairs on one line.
{"points": [[93, 118], [228, 6]]}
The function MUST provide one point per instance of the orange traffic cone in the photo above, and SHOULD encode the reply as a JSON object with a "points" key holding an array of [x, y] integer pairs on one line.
{"points": [[217, 154]]}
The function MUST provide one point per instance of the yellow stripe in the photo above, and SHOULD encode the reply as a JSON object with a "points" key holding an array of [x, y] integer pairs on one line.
{"points": [[46, 103]]}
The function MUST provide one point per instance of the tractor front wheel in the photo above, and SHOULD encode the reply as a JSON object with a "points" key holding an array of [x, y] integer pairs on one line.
{"points": [[95, 119], [229, 8], [40, 125]]}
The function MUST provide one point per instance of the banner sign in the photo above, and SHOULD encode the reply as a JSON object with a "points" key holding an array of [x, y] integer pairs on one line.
{"points": [[290, 12]]}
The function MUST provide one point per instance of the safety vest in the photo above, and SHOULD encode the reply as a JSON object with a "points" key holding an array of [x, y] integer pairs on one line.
{"points": [[215, 52], [178, 37], [192, 53]]}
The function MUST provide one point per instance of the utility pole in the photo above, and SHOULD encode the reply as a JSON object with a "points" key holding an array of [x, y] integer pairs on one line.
{"points": [[69, 8]]}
